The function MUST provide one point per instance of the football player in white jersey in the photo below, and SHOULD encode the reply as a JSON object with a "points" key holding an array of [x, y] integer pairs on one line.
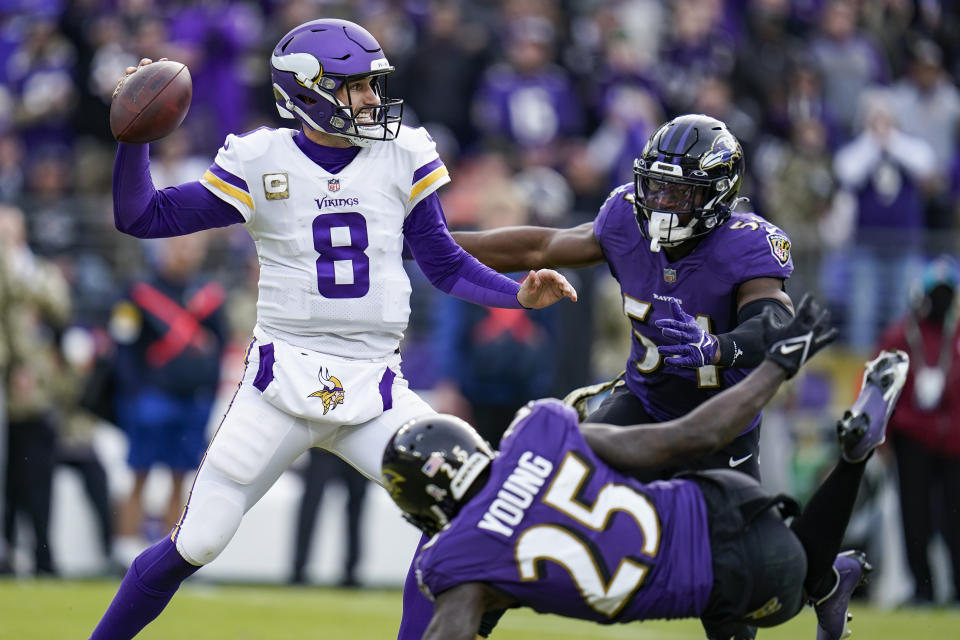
{"points": [[329, 207]]}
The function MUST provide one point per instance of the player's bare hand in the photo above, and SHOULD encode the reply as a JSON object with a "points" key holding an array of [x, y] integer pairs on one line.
{"points": [[131, 70], [544, 287]]}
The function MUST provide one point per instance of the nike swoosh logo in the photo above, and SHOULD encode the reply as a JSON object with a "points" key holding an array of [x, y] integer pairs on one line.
{"points": [[785, 350], [736, 462]]}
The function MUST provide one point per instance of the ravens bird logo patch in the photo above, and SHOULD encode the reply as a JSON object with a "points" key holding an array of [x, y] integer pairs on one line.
{"points": [[779, 247], [724, 151]]}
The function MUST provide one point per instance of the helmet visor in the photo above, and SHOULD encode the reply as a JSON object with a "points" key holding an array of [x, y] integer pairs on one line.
{"points": [[658, 194]]}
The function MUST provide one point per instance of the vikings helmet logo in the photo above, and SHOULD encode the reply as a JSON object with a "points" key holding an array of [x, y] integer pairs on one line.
{"points": [[304, 66], [724, 151], [332, 393]]}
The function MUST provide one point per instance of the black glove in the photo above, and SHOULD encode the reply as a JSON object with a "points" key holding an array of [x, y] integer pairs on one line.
{"points": [[794, 343]]}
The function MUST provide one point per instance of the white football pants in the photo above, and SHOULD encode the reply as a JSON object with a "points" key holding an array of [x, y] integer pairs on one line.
{"points": [[256, 442]]}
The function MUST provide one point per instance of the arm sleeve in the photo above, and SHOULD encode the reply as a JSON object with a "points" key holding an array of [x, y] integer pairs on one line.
{"points": [[450, 268], [743, 347], [142, 211]]}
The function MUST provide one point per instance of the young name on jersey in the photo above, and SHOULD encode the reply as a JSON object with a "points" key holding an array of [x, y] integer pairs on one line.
{"points": [[516, 494]]}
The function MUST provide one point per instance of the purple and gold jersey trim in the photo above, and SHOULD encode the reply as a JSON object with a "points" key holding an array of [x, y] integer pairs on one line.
{"points": [[229, 184], [431, 166], [427, 175]]}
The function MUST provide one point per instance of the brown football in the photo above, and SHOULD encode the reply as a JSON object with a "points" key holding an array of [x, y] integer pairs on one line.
{"points": [[152, 102]]}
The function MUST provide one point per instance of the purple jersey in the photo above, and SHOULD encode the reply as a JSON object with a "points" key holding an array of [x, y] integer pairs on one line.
{"points": [[705, 283], [506, 98], [563, 533]]}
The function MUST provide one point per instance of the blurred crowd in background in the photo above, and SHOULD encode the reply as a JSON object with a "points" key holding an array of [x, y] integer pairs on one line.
{"points": [[848, 112]]}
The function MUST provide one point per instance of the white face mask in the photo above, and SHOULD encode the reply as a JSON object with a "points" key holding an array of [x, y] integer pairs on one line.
{"points": [[665, 231]]}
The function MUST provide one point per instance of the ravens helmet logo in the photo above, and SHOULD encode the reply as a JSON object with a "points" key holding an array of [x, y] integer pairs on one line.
{"points": [[723, 152]]}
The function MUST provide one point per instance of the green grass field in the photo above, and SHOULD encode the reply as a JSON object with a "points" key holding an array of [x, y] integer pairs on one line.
{"points": [[68, 610]]}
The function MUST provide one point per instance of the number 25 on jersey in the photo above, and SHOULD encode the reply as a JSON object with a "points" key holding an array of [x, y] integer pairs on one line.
{"points": [[603, 590]]}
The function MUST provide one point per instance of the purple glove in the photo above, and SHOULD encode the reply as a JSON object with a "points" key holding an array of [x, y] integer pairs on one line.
{"points": [[697, 348]]}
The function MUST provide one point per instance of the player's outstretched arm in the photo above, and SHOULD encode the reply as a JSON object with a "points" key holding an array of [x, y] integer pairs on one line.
{"points": [[511, 249], [544, 287], [142, 211], [699, 433], [719, 420], [457, 612]]}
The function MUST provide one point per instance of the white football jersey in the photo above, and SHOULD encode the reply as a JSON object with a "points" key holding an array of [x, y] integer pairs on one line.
{"points": [[330, 245]]}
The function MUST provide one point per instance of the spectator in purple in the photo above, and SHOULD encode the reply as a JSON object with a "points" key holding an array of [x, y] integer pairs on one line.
{"points": [[884, 170], [624, 90], [697, 48], [631, 116], [217, 35], [802, 98], [40, 75], [527, 100]]}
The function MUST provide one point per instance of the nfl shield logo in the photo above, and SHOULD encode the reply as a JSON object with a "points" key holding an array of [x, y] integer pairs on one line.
{"points": [[669, 275], [333, 185]]}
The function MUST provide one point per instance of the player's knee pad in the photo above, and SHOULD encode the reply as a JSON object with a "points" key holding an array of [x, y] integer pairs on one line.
{"points": [[212, 518]]}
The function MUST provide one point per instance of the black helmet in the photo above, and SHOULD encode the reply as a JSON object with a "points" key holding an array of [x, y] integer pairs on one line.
{"points": [[691, 166], [430, 464]]}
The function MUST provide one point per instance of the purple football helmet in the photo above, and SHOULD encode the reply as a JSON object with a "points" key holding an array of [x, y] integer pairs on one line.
{"points": [[313, 61], [691, 166]]}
